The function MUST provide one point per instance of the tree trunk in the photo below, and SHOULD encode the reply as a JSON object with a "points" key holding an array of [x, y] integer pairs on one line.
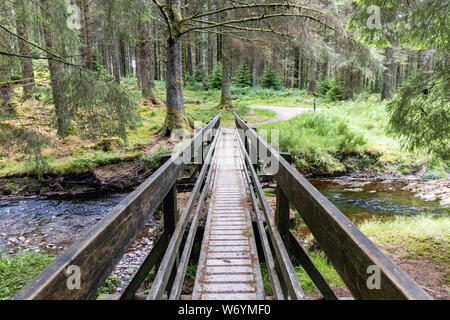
{"points": [[176, 115], [226, 54], [115, 48], [56, 77], [146, 67], [24, 48], [88, 58], [189, 68], [313, 83], [387, 75]]}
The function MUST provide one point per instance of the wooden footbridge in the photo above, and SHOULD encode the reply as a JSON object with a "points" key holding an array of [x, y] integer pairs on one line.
{"points": [[241, 231]]}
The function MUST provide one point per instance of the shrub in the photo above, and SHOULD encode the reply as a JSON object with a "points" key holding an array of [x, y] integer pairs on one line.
{"points": [[336, 91], [271, 79], [323, 87], [215, 80], [199, 73], [243, 77], [154, 160]]}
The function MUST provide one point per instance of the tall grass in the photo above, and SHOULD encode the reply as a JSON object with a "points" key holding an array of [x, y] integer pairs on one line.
{"points": [[427, 235], [16, 272], [317, 139]]}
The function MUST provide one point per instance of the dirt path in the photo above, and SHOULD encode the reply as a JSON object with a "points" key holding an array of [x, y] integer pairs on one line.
{"points": [[283, 113]]}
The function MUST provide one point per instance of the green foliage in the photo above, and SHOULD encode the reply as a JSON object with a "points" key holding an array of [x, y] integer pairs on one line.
{"points": [[420, 113], [215, 79], [271, 79], [154, 160], [316, 139], [325, 268], [17, 271], [427, 235], [199, 74], [29, 141], [243, 77], [89, 161], [99, 106], [336, 91], [323, 87], [110, 285]]}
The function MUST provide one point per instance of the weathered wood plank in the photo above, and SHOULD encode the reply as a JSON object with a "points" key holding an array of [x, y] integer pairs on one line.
{"points": [[348, 249], [163, 274], [275, 281], [100, 248], [151, 260], [287, 270], [177, 285]]}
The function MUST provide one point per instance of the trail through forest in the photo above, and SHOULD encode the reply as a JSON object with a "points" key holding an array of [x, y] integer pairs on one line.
{"points": [[283, 113]]}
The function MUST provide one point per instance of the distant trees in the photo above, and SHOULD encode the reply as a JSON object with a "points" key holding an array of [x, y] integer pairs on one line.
{"points": [[420, 113]]}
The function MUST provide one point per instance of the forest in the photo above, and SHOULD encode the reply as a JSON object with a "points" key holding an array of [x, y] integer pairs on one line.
{"points": [[95, 92]]}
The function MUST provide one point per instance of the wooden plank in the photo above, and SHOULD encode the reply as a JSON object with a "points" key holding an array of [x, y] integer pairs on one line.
{"points": [[170, 211], [184, 261], [296, 250], [166, 267], [348, 249], [282, 213], [287, 270], [274, 280], [151, 260], [100, 248]]}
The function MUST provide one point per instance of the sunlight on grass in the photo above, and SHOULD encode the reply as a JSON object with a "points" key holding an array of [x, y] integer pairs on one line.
{"points": [[427, 236]]}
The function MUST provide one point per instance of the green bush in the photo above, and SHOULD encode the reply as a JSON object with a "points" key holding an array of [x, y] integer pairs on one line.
{"points": [[271, 79], [336, 91], [199, 73], [323, 87], [215, 80], [154, 160], [243, 77], [317, 140]]}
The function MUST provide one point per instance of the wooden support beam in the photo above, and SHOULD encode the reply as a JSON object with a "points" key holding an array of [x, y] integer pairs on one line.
{"points": [[170, 210]]}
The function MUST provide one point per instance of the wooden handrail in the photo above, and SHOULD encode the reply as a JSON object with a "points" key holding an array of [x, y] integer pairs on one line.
{"points": [[99, 249], [348, 249]]}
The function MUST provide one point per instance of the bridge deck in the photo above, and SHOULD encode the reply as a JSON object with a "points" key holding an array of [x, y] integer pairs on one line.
{"points": [[228, 268]]}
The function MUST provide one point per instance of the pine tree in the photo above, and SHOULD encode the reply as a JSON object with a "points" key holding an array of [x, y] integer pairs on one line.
{"points": [[243, 77], [271, 79]]}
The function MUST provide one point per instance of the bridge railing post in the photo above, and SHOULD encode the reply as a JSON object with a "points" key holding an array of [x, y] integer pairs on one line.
{"points": [[282, 213]]}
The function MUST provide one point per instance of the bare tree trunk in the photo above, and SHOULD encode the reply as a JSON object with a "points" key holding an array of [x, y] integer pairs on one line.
{"points": [[227, 52], [88, 59], [387, 75], [24, 48], [189, 68], [176, 115], [313, 83], [115, 48], [146, 63], [56, 77]]}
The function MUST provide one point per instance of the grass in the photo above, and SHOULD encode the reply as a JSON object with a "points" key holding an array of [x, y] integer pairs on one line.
{"points": [[322, 264], [17, 271], [426, 236], [344, 136]]}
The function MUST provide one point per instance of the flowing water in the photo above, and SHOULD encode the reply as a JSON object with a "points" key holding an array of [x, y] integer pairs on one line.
{"points": [[49, 224], [52, 225], [367, 200]]}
